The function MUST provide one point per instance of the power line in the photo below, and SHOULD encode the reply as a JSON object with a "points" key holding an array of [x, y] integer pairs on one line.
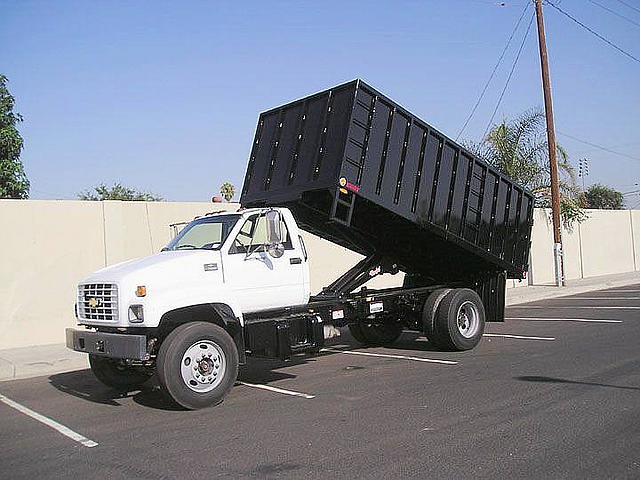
{"points": [[616, 13], [630, 6], [624, 52], [495, 68], [581, 152], [600, 147], [513, 67]]}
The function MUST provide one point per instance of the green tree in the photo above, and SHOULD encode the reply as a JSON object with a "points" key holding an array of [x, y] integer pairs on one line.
{"points": [[227, 190], [13, 180], [117, 192], [603, 197], [519, 149]]}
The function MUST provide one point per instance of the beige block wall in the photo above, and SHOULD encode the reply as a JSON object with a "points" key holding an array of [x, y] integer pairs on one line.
{"points": [[635, 227], [541, 264], [607, 245], [46, 248]]}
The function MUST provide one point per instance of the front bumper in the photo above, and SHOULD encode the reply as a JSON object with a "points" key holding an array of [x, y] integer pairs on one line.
{"points": [[113, 345]]}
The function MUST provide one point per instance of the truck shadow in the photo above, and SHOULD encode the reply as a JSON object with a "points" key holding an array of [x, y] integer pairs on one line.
{"points": [[411, 341], [536, 378], [82, 383]]}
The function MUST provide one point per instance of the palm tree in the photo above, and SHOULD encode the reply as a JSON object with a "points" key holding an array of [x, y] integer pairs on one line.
{"points": [[227, 190], [519, 149]]}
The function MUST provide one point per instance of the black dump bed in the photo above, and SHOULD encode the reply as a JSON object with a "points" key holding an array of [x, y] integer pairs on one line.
{"points": [[361, 171]]}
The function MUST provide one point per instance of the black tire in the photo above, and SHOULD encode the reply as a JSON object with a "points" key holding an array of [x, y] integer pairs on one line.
{"points": [[430, 309], [115, 374], [170, 358], [376, 333], [356, 332], [448, 334]]}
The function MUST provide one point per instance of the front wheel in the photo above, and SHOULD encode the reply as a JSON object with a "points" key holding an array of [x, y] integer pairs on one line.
{"points": [[116, 374], [197, 364]]}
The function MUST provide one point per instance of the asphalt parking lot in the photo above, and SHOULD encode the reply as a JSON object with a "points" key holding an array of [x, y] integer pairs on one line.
{"points": [[554, 392]]}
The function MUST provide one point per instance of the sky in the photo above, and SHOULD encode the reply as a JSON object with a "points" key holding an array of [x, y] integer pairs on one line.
{"points": [[165, 96]]}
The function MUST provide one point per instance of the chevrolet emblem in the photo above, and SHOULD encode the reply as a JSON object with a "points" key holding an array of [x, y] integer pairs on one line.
{"points": [[94, 302]]}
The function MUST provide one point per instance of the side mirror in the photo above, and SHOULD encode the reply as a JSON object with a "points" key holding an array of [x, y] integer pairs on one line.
{"points": [[275, 247], [274, 230]]}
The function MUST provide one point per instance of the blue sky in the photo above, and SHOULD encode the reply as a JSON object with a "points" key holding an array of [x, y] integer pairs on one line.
{"points": [[165, 96]]}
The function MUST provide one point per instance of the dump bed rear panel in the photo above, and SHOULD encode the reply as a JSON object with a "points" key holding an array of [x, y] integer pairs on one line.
{"points": [[408, 191]]}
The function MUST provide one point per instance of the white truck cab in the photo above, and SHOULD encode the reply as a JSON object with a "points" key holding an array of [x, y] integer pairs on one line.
{"points": [[225, 258]]}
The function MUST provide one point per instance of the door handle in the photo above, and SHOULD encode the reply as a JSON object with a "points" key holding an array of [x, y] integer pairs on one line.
{"points": [[295, 260]]}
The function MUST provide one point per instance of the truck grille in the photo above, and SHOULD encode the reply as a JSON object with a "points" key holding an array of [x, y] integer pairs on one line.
{"points": [[98, 301]]}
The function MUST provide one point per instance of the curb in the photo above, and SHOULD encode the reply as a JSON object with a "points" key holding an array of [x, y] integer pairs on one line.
{"points": [[47, 363], [534, 294]]}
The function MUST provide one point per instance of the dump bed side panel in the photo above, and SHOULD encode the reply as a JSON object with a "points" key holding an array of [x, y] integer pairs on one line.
{"points": [[299, 147], [404, 165]]}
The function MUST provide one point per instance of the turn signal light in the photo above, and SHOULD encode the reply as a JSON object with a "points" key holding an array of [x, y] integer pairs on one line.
{"points": [[136, 314], [141, 291]]}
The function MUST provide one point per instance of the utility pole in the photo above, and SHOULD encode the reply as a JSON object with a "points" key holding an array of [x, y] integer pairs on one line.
{"points": [[551, 140]]}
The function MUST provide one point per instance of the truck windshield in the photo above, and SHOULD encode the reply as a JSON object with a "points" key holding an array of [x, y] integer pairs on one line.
{"points": [[207, 233]]}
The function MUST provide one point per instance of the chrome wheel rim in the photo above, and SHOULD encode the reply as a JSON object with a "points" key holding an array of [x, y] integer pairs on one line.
{"points": [[468, 319], [203, 366]]}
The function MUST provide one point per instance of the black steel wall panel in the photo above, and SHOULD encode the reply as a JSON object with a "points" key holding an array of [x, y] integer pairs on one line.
{"points": [[334, 135], [425, 192], [410, 168], [310, 140], [401, 174]]}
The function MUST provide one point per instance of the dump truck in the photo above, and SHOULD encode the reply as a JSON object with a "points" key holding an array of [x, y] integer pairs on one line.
{"points": [[354, 168]]}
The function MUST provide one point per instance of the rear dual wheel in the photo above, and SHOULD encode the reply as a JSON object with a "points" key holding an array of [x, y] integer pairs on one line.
{"points": [[454, 319]]}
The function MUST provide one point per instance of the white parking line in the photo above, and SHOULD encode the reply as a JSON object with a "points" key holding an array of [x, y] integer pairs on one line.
{"points": [[522, 337], [586, 320], [584, 306], [385, 355], [49, 422], [277, 390], [598, 298]]}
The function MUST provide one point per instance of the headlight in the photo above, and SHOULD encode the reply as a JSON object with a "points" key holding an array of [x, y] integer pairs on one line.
{"points": [[136, 314]]}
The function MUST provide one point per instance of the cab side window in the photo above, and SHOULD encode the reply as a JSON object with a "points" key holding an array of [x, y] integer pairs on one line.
{"points": [[253, 235]]}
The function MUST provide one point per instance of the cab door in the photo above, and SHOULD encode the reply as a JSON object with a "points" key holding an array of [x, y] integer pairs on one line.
{"points": [[258, 279]]}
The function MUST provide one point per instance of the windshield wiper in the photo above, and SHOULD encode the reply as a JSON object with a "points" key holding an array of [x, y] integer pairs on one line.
{"points": [[186, 245]]}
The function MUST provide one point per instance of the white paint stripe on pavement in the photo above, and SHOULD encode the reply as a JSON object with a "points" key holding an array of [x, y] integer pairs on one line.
{"points": [[385, 355], [277, 390], [522, 337], [49, 422], [590, 320], [592, 307], [597, 298]]}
